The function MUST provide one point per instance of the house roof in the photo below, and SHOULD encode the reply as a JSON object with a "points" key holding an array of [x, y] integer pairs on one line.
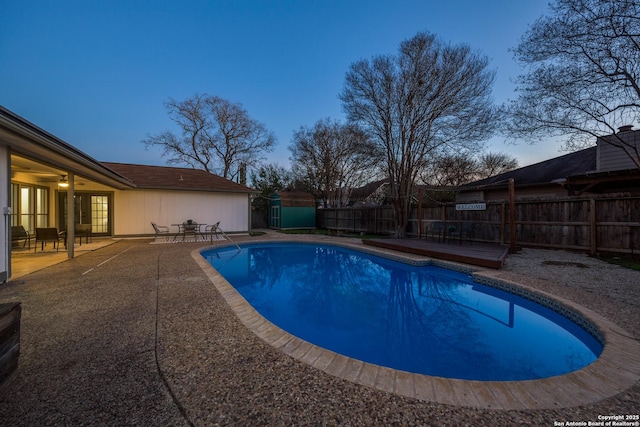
{"points": [[171, 178], [619, 181], [295, 199], [366, 190], [556, 169], [30, 141]]}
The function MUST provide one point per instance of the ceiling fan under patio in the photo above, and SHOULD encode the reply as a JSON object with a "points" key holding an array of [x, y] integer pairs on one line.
{"points": [[63, 182]]}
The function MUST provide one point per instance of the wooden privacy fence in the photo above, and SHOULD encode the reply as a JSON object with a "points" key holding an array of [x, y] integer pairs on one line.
{"points": [[603, 224]]}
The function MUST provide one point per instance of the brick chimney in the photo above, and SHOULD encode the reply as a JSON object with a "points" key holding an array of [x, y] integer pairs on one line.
{"points": [[625, 128]]}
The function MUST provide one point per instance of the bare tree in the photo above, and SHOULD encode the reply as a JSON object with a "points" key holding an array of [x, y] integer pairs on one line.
{"points": [[215, 135], [492, 164], [333, 158], [429, 96], [450, 170], [460, 168], [583, 74]]}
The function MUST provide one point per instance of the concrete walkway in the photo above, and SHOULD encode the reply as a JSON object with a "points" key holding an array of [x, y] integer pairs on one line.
{"points": [[136, 334]]}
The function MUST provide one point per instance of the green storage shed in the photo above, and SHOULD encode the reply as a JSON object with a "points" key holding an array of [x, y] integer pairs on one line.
{"points": [[292, 209]]}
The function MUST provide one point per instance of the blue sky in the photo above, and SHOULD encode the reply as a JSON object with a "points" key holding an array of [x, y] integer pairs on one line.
{"points": [[96, 73]]}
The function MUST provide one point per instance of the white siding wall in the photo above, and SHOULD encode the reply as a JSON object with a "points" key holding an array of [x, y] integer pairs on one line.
{"points": [[611, 158], [135, 209]]}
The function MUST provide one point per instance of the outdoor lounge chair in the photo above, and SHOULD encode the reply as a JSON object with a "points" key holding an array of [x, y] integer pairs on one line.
{"points": [[18, 233], [44, 235], [161, 230]]}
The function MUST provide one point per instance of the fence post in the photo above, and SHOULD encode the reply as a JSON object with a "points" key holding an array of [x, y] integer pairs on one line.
{"points": [[420, 213], [503, 222], [375, 220], [512, 216], [593, 233]]}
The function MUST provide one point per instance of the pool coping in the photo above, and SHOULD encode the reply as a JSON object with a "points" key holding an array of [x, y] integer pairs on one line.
{"points": [[617, 368]]}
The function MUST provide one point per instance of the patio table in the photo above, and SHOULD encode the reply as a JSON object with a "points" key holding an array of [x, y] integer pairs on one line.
{"points": [[193, 228]]}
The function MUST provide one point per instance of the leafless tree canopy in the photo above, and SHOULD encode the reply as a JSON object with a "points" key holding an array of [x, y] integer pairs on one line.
{"points": [[333, 158], [582, 75], [492, 164], [428, 97], [450, 171], [461, 168], [215, 135]]}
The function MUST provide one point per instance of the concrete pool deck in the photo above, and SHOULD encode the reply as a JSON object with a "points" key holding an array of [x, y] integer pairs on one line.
{"points": [[135, 334]]}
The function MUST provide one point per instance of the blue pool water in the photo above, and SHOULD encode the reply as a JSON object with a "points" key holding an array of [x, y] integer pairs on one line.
{"points": [[426, 320]]}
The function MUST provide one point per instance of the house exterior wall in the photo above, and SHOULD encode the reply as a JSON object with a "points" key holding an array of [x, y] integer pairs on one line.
{"points": [[134, 210], [612, 158], [550, 190]]}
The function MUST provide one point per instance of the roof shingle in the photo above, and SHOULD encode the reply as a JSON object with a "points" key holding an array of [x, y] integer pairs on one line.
{"points": [[577, 163], [171, 178]]}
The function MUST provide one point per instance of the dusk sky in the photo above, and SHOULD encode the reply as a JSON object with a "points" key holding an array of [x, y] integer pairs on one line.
{"points": [[97, 73]]}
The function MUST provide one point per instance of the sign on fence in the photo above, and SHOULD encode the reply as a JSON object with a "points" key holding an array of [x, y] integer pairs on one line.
{"points": [[471, 207]]}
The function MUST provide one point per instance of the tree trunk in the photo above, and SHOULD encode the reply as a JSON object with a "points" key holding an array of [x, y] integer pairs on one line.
{"points": [[400, 217]]}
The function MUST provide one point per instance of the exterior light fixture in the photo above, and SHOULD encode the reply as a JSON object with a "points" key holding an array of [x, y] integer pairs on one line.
{"points": [[63, 183]]}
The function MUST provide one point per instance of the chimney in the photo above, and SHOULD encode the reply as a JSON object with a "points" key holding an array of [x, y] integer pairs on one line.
{"points": [[625, 128]]}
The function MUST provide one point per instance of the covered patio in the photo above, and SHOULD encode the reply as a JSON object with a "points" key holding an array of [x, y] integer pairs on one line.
{"points": [[50, 184], [26, 261]]}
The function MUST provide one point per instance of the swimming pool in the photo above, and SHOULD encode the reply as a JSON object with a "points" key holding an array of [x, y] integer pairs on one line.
{"points": [[425, 319]]}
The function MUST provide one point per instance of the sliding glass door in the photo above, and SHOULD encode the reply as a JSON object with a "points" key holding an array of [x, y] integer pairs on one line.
{"points": [[90, 208]]}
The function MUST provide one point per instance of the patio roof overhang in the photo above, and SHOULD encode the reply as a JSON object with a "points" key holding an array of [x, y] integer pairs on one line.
{"points": [[28, 140]]}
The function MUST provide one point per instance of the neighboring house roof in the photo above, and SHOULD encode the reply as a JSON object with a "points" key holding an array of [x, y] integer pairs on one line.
{"points": [[367, 190], [552, 170], [171, 178]]}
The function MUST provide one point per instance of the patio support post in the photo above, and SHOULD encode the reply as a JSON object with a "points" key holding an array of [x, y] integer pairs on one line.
{"points": [[71, 221]]}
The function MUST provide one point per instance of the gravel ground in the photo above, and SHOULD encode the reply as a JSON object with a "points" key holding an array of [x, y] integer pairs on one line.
{"points": [[135, 334], [608, 289]]}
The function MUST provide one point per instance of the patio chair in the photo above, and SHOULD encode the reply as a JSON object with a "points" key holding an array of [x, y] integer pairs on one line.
{"points": [[464, 230], [44, 235], [161, 230], [191, 227], [212, 230], [83, 230], [18, 233], [437, 229]]}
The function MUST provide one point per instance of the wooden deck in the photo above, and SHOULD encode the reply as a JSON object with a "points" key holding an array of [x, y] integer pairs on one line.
{"points": [[481, 254]]}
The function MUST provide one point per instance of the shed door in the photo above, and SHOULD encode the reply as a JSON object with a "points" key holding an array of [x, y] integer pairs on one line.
{"points": [[275, 217]]}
